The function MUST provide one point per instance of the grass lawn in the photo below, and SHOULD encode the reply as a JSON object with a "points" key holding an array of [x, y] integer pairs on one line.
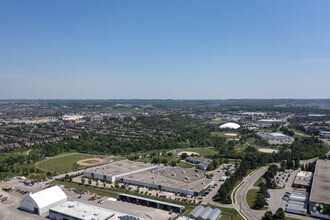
{"points": [[188, 210], [251, 141], [235, 216], [203, 152], [215, 122], [256, 184], [251, 196], [63, 163]]}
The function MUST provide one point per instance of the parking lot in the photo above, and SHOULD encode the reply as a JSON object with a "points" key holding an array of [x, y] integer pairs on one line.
{"points": [[284, 181], [9, 208]]}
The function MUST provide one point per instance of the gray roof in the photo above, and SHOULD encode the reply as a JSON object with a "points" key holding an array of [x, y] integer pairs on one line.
{"points": [[321, 182], [204, 213], [152, 200], [197, 211], [214, 214], [207, 211]]}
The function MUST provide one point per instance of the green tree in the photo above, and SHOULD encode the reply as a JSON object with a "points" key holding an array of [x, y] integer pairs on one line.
{"points": [[279, 215], [173, 163], [283, 165], [82, 180], [184, 156], [268, 216], [89, 181], [210, 167]]}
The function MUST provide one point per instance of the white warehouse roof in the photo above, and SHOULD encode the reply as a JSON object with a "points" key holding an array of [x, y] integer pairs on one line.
{"points": [[230, 125], [41, 201]]}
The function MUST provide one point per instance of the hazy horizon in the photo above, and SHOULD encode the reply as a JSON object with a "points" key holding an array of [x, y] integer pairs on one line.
{"points": [[180, 50]]}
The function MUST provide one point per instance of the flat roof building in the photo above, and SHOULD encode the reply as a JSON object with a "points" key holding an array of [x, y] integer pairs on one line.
{"points": [[81, 211], [319, 200], [275, 137], [188, 181], [303, 179], [117, 169], [201, 162]]}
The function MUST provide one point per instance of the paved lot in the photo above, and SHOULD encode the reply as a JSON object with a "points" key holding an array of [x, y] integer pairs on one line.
{"points": [[217, 173], [124, 207], [276, 195], [9, 209]]}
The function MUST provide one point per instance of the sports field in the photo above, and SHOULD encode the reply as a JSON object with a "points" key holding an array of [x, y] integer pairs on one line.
{"points": [[203, 152], [63, 163]]}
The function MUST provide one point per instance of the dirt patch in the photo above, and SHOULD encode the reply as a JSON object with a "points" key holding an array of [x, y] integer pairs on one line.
{"points": [[91, 161], [230, 134], [267, 150]]}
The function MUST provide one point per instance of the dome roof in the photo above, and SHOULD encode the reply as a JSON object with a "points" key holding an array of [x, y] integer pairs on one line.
{"points": [[230, 125]]}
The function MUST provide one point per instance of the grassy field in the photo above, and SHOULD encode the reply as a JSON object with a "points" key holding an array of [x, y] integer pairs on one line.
{"points": [[203, 152], [251, 196], [251, 141], [223, 134], [256, 184], [62, 164], [235, 215]]}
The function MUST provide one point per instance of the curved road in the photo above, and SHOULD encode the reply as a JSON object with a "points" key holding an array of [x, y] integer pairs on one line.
{"points": [[240, 197]]}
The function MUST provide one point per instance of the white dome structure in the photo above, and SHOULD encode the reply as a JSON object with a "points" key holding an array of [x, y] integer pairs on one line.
{"points": [[230, 125]]}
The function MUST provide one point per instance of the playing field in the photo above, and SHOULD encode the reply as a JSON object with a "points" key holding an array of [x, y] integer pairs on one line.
{"points": [[203, 152], [62, 164]]}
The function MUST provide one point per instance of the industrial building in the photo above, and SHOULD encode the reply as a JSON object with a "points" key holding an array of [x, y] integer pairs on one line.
{"points": [[325, 134], [81, 211], [188, 181], [150, 203], [117, 169], [297, 203], [319, 200], [303, 179], [275, 138], [204, 213], [201, 162], [40, 202]]}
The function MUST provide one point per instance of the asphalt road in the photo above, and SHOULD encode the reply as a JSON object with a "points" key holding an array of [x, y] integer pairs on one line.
{"points": [[240, 196]]}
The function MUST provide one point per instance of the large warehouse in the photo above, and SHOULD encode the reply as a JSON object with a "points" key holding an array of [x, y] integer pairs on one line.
{"points": [[275, 137], [81, 211], [319, 200], [117, 169], [40, 202], [188, 181]]}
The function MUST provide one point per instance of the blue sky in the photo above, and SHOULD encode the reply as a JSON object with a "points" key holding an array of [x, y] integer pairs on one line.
{"points": [[178, 49]]}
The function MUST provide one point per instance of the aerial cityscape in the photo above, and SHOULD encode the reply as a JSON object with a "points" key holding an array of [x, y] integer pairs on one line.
{"points": [[164, 110]]}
